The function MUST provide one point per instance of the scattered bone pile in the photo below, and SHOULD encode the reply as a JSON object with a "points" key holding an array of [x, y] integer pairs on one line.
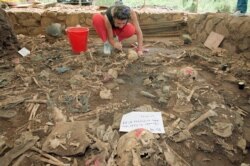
{"points": [[66, 109]]}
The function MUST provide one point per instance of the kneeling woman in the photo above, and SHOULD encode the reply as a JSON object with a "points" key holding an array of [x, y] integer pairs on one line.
{"points": [[120, 21]]}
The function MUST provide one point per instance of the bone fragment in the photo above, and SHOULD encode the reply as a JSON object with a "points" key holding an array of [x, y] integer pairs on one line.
{"points": [[241, 111], [147, 94], [191, 94], [201, 118], [173, 158], [33, 112], [36, 101], [37, 83], [51, 161], [51, 158]]}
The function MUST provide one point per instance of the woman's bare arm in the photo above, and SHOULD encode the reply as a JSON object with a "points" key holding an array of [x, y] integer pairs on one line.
{"points": [[116, 45], [138, 31], [109, 31]]}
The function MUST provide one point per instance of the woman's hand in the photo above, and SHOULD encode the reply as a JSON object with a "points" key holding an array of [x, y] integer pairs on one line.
{"points": [[140, 52], [118, 45]]}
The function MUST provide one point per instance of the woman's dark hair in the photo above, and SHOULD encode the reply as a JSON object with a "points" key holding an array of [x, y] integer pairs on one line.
{"points": [[122, 12]]}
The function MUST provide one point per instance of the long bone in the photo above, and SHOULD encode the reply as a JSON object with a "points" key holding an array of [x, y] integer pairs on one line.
{"points": [[201, 118]]}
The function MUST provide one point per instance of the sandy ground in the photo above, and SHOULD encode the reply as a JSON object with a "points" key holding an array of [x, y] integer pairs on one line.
{"points": [[169, 72]]}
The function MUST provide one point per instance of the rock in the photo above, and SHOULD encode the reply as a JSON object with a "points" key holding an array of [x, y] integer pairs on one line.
{"points": [[58, 116], [100, 131], [7, 114], [186, 107], [162, 100], [244, 164], [145, 108], [246, 133], [132, 55], [65, 137], [55, 30], [19, 69], [172, 116], [113, 73], [166, 89], [187, 39], [223, 129], [117, 120], [109, 135], [204, 146], [242, 143], [120, 81], [106, 94], [112, 86], [147, 81], [63, 69], [44, 74], [182, 136]]}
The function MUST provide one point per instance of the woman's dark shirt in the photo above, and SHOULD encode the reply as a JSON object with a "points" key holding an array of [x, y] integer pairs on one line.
{"points": [[110, 17]]}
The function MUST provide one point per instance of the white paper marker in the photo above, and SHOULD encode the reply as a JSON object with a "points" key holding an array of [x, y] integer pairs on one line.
{"points": [[24, 52], [151, 121]]}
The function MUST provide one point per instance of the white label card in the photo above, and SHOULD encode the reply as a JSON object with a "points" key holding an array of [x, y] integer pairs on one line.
{"points": [[24, 52], [151, 121]]}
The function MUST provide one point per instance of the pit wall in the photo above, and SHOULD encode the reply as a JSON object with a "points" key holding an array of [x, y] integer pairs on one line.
{"points": [[235, 29], [34, 21]]}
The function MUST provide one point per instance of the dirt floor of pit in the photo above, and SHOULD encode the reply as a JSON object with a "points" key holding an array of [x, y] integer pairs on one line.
{"points": [[52, 69]]}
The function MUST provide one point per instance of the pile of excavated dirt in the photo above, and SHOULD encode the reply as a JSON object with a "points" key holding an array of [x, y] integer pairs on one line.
{"points": [[8, 40]]}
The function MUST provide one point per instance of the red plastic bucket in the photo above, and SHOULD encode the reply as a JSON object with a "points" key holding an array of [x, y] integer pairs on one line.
{"points": [[78, 38]]}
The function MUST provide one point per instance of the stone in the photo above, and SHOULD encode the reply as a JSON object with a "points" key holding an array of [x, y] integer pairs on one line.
{"points": [[45, 21], [209, 26], [234, 24], [36, 16], [246, 133], [222, 29], [227, 44], [222, 129], [244, 44], [106, 94], [29, 23], [88, 21], [61, 132], [55, 29], [132, 55], [72, 20], [241, 143], [52, 14], [177, 16], [113, 73]]}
